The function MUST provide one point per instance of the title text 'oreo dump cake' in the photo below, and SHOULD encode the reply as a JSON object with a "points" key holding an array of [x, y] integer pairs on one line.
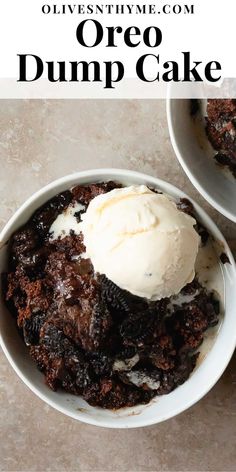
{"points": [[103, 287]]}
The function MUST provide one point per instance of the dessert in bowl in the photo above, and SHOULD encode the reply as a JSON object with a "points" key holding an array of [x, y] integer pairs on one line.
{"points": [[221, 131], [204, 141], [115, 283]]}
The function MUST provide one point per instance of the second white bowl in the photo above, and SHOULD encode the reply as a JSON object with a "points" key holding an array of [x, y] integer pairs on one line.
{"points": [[192, 150]]}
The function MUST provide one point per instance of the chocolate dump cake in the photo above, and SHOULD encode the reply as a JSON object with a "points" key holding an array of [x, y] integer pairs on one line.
{"points": [[86, 334], [221, 131]]}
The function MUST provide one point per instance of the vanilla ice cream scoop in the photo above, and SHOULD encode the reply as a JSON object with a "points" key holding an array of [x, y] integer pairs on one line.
{"points": [[141, 241]]}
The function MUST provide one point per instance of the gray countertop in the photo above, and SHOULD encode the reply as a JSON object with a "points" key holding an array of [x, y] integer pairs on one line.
{"points": [[40, 141]]}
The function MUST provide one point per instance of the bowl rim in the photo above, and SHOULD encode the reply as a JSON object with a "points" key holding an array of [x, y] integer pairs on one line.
{"points": [[196, 183], [94, 174]]}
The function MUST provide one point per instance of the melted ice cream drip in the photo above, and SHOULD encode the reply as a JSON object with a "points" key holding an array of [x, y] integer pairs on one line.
{"points": [[66, 222]]}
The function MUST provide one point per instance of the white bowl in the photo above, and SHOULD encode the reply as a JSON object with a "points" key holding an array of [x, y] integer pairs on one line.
{"points": [[195, 155], [161, 408]]}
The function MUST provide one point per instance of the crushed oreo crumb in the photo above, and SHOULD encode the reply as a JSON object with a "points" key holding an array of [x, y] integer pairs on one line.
{"points": [[224, 258]]}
